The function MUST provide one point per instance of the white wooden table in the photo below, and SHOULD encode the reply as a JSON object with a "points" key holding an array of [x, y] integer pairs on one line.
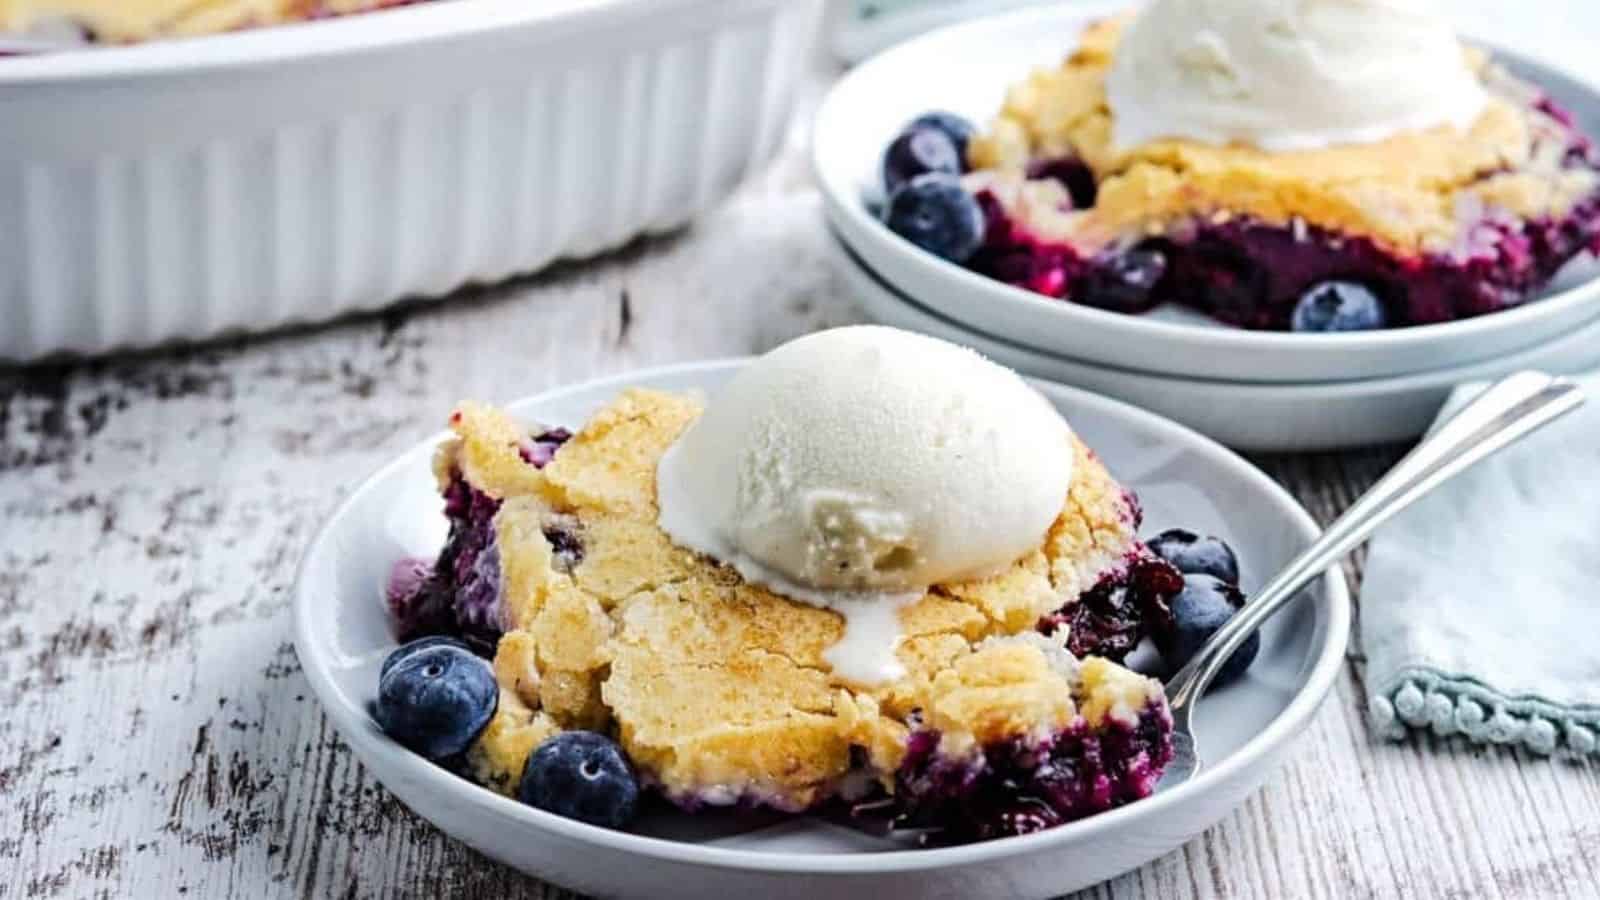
{"points": [[159, 739]]}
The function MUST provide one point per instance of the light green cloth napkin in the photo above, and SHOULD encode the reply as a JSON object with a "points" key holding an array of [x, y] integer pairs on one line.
{"points": [[1480, 610]]}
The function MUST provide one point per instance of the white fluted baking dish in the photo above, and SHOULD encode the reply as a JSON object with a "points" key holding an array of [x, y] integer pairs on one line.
{"points": [[184, 189]]}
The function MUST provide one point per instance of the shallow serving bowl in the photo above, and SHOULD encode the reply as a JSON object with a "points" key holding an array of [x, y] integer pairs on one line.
{"points": [[967, 68], [1281, 416], [180, 189], [342, 634]]}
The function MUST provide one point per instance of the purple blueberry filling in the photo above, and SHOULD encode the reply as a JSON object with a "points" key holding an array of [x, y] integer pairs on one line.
{"points": [[1074, 175], [1128, 604], [540, 450], [1252, 274], [419, 607], [1010, 253], [1019, 787], [1122, 609], [460, 595], [407, 577], [480, 614]]}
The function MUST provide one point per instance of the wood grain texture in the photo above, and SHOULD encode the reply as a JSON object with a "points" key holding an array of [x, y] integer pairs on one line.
{"points": [[160, 739]]}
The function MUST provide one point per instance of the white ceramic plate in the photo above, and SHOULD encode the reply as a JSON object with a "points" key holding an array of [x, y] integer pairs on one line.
{"points": [[341, 634], [966, 68], [1247, 415], [180, 189]]}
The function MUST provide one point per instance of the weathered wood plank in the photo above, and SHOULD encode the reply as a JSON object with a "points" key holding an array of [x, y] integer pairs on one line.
{"points": [[161, 740]]}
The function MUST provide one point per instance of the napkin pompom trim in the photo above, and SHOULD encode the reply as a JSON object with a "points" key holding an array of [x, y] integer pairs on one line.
{"points": [[1418, 699]]}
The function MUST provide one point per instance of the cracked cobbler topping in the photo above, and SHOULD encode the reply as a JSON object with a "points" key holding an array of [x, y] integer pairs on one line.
{"points": [[719, 691]]}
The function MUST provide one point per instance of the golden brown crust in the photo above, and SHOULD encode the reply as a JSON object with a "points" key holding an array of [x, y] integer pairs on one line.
{"points": [[718, 689], [500, 753], [1403, 192], [487, 451]]}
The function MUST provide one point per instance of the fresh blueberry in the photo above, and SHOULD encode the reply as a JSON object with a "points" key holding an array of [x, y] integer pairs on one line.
{"points": [[1338, 306], [958, 130], [583, 776], [410, 647], [1203, 606], [436, 699], [918, 152], [937, 214], [1192, 554], [1124, 282]]}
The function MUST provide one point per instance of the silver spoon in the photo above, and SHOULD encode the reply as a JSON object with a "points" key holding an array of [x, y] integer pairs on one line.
{"points": [[1508, 411]]}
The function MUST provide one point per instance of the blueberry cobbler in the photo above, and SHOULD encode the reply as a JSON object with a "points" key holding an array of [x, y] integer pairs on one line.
{"points": [[1286, 166], [570, 648], [133, 21]]}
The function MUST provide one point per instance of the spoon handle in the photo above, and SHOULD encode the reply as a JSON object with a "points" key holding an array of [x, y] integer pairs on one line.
{"points": [[1507, 411]]}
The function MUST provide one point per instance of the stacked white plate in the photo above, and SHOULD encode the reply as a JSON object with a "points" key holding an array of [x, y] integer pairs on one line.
{"points": [[1257, 390]]}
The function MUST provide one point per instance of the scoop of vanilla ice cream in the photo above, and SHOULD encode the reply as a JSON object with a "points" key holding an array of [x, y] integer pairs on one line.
{"points": [[867, 460], [1288, 74]]}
